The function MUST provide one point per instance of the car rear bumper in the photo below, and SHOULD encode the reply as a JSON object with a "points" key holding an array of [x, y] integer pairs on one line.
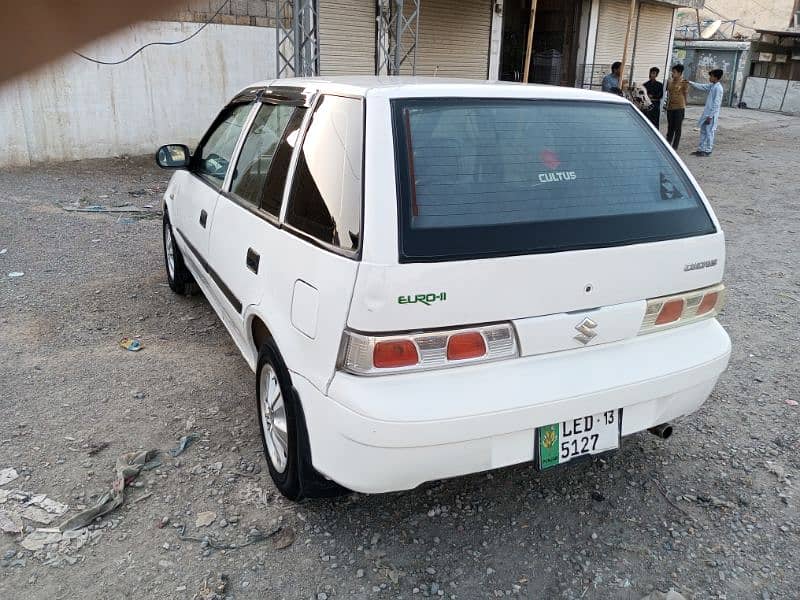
{"points": [[393, 433]]}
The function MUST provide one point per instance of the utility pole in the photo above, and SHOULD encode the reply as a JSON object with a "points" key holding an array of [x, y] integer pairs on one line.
{"points": [[529, 49]]}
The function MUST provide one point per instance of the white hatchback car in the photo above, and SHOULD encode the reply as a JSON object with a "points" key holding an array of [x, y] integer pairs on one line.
{"points": [[432, 277]]}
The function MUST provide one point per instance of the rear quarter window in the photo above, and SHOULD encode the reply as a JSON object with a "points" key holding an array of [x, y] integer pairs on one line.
{"points": [[326, 196], [488, 177]]}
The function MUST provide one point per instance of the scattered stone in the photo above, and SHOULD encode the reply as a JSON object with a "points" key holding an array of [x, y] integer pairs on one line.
{"points": [[284, 538], [670, 595], [95, 447], [38, 515], [48, 504], [359, 573], [214, 590], [205, 518], [719, 502], [8, 475], [39, 539], [10, 523]]}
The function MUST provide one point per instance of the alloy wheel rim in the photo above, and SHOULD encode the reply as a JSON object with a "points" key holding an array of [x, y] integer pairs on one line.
{"points": [[170, 251], [273, 418]]}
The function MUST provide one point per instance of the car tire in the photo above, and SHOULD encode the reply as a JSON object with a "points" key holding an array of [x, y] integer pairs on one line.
{"points": [[284, 433], [179, 277]]}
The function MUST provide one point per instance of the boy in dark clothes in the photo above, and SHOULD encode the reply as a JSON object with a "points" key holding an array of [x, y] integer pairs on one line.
{"points": [[655, 90]]}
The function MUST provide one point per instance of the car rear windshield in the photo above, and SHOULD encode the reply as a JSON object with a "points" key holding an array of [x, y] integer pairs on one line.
{"points": [[496, 177]]}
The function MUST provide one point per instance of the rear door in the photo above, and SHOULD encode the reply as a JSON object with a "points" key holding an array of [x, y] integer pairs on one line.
{"points": [[314, 270], [193, 208], [544, 213]]}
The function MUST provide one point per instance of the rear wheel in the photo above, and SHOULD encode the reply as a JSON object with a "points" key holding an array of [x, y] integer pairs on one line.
{"points": [[284, 433], [179, 277]]}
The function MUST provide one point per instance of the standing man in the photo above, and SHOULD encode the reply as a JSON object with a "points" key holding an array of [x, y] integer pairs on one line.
{"points": [[611, 82], [655, 91], [677, 94], [710, 118]]}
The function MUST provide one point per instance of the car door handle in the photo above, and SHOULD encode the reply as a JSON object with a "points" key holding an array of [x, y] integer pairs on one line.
{"points": [[253, 258], [203, 218]]}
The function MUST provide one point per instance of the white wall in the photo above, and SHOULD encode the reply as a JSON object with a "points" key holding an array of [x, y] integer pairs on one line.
{"points": [[75, 109]]}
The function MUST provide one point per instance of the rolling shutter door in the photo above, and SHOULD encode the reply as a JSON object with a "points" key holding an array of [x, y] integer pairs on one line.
{"points": [[652, 40], [611, 24], [347, 37], [454, 36]]}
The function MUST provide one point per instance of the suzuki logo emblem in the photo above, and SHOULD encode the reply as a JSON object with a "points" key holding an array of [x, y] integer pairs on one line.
{"points": [[586, 331]]}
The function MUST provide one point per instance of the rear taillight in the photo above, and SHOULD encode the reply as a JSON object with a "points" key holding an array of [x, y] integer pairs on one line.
{"points": [[393, 354], [466, 345], [382, 354], [682, 309]]}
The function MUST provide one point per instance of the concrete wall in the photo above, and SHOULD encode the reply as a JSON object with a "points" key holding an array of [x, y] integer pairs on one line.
{"points": [[777, 95], [764, 14], [75, 109]]}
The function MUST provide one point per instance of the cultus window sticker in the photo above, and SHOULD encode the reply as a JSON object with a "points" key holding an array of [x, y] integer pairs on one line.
{"points": [[557, 176], [426, 299], [551, 160]]}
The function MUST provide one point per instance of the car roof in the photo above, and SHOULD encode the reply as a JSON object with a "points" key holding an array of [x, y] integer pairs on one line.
{"points": [[408, 86]]}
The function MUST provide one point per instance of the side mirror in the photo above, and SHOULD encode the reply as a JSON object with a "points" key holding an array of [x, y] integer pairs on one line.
{"points": [[173, 156]]}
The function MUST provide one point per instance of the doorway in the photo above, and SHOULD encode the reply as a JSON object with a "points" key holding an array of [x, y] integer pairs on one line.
{"points": [[555, 41]]}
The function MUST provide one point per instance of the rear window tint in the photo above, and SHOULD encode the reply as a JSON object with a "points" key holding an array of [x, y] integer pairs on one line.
{"points": [[488, 177]]}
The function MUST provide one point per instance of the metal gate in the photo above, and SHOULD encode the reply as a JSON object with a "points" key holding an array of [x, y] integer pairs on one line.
{"points": [[699, 62]]}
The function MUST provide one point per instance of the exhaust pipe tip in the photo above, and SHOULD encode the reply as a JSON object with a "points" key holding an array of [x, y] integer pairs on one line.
{"points": [[663, 431]]}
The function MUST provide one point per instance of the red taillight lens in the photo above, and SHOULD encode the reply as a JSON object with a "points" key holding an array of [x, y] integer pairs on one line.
{"points": [[670, 312], [708, 304], [395, 353], [465, 345]]}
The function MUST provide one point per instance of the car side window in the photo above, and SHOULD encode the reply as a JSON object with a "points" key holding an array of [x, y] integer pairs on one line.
{"points": [[325, 200], [213, 157], [258, 151], [273, 193]]}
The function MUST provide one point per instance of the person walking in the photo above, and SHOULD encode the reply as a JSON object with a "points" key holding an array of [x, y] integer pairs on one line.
{"points": [[710, 117], [611, 82], [677, 94], [655, 91]]}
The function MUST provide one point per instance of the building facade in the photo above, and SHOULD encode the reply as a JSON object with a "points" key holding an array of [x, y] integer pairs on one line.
{"points": [[747, 15], [75, 108]]}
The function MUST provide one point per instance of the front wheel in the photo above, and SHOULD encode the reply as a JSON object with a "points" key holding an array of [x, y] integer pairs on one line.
{"points": [[179, 277], [284, 433]]}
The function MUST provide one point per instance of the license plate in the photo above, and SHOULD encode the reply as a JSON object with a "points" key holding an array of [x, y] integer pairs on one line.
{"points": [[561, 442]]}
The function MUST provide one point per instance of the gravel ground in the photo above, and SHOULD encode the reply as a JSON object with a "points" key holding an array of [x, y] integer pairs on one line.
{"points": [[712, 513]]}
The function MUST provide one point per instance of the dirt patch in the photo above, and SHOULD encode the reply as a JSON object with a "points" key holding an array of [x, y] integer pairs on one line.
{"points": [[712, 512]]}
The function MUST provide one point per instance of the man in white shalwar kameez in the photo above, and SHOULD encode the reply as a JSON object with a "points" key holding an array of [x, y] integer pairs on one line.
{"points": [[710, 119]]}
